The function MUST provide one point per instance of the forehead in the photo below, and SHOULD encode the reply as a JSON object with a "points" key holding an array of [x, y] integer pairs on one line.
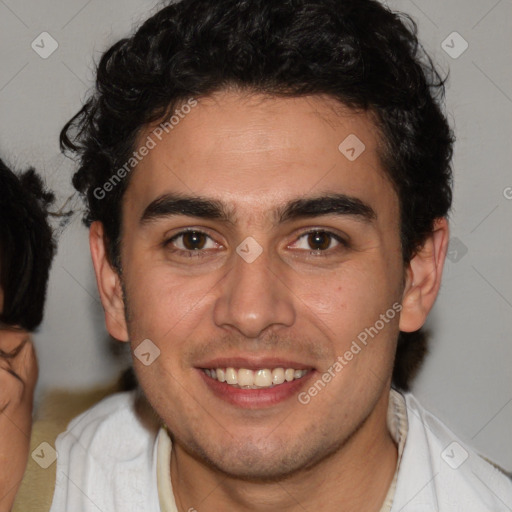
{"points": [[254, 152]]}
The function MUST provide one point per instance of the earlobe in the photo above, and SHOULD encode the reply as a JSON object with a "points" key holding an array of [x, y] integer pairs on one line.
{"points": [[423, 278], [109, 284]]}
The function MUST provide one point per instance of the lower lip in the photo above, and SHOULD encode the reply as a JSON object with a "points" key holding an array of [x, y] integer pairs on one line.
{"points": [[255, 398]]}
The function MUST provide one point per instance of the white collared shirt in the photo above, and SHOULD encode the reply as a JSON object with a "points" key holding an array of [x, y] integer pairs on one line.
{"points": [[108, 460]]}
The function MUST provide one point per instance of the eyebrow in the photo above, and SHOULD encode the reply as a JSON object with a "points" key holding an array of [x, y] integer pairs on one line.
{"points": [[169, 205]]}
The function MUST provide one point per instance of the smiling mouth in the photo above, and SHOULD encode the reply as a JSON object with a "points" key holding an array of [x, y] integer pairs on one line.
{"points": [[243, 378]]}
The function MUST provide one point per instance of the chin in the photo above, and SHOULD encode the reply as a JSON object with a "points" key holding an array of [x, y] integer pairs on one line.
{"points": [[256, 463], [261, 469]]}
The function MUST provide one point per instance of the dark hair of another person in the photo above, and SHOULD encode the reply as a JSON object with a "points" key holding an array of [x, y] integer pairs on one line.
{"points": [[355, 51], [26, 247]]}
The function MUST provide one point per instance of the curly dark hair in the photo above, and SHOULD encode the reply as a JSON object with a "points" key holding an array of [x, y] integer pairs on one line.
{"points": [[26, 247], [355, 51]]}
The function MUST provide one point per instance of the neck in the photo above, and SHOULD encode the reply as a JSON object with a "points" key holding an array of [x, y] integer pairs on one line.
{"points": [[356, 477]]}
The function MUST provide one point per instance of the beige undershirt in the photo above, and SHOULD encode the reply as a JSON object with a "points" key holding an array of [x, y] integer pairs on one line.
{"points": [[397, 425]]}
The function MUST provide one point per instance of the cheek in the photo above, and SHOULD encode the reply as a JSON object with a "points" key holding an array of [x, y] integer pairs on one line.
{"points": [[355, 290], [350, 303], [167, 309], [155, 296]]}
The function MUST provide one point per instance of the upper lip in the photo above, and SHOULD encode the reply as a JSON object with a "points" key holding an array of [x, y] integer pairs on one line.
{"points": [[253, 363]]}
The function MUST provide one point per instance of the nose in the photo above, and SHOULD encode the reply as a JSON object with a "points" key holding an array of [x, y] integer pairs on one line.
{"points": [[253, 297]]}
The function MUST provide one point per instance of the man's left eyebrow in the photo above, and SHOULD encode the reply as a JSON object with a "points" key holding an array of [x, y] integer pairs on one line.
{"points": [[329, 204]]}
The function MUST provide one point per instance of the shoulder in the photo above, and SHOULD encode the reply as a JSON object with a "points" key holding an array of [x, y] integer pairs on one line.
{"points": [[108, 453], [54, 412], [107, 427], [440, 470]]}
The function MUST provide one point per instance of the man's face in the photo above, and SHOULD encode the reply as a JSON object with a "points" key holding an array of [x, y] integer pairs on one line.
{"points": [[298, 305]]}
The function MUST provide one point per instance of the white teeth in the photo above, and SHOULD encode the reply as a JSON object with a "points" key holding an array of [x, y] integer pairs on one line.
{"points": [[250, 379], [263, 378], [245, 377], [231, 376], [278, 375]]}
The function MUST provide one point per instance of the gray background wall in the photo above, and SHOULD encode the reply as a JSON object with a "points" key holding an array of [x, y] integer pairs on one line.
{"points": [[467, 379]]}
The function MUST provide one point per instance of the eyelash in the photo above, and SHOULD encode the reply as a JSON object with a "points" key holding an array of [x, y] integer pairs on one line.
{"points": [[203, 253]]}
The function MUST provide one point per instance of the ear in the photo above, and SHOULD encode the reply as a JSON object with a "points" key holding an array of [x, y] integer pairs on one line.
{"points": [[109, 284], [423, 278]]}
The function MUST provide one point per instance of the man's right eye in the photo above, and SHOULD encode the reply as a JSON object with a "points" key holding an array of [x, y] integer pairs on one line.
{"points": [[190, 243]]}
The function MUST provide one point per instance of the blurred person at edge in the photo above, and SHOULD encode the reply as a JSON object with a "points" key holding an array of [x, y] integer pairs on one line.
{"points": [[266, 181], [26, 253]]}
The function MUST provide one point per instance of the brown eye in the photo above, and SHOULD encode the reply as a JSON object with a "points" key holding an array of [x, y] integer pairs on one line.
{"points": [[319, 240], [194, 240], [190, 243]]}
